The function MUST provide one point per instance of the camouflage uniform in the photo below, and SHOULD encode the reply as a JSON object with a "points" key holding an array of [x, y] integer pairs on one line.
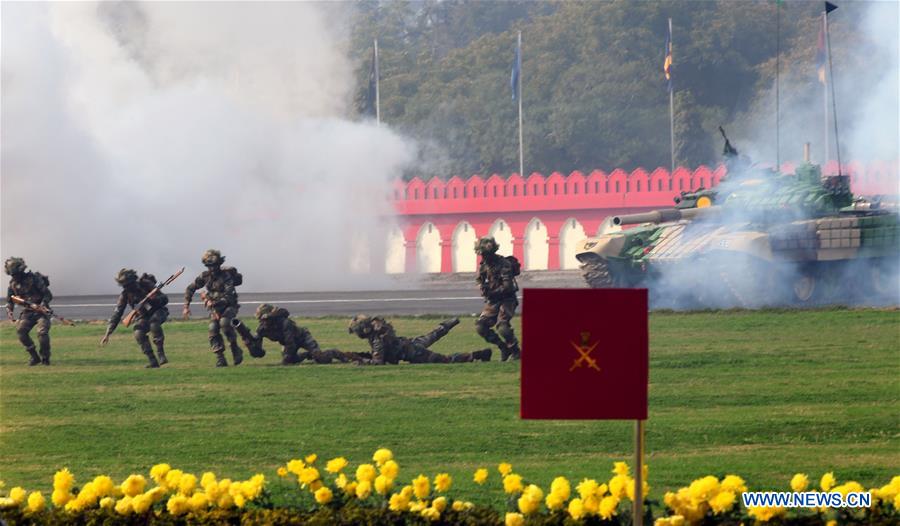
{"points": [[387, 347], [221, 302], [153, 314], [275, 324], [496, 277], [34, 288]]}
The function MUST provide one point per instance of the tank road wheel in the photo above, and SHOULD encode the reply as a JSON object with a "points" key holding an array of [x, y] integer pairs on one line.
{"points": [[804, 287], [596, 274]]}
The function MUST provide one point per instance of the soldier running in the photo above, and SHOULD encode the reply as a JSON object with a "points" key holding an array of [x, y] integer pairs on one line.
{"points": [[221, 300], [387, 347], [33, 287], [275, 324], [150, 318], [497, 279]]}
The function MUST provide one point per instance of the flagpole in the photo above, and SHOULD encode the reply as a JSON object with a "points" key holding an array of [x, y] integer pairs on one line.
{"points": [[825, 92], [830, 75], [377, 94], [777, 86], [637, 511], [671, 105], [519, 89]]}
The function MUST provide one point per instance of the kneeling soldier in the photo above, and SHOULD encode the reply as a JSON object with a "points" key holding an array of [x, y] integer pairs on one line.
{"points": [[34, 288], [387, 347], [150, 318], [276, 324]]}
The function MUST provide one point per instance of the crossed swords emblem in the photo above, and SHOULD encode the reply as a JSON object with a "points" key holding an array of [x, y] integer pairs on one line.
{"points": [[584, 350]]}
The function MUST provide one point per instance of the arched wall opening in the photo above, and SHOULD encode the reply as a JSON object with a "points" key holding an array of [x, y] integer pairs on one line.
{"points": [[502, 234], [464, 259], [571, 233], [537, 251], [428, 249]]}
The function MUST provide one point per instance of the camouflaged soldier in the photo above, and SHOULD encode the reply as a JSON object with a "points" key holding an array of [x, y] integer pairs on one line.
{"points": [[275, 324], [387, 347], [34, 288], [148, 320], [497, 279], [221, 300]]}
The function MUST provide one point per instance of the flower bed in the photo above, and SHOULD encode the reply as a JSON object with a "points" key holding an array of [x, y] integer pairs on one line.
{"points": [[372, 493]]}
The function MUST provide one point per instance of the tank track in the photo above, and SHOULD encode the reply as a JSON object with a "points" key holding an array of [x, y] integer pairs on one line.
{"points": [[596, 274]]}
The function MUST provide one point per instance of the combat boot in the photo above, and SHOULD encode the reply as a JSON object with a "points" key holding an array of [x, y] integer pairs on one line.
{"points": [[290, 359], [220, 359], [483, 355], [162, 356], [45, 356], [237, 354], [449, 324], [514, 352], [34, 358], [504, 353], [152, 359]]}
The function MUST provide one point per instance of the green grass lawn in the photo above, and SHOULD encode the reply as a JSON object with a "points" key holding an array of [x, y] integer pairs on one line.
{"points": [[760, 394]]}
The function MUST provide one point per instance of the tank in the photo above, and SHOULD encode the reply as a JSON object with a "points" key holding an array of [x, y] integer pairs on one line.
{"points": [[759, 238]]}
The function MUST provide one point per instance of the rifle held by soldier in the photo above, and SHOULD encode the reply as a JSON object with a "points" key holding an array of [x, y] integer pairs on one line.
{"points": [[150, 295], [18, 300]]}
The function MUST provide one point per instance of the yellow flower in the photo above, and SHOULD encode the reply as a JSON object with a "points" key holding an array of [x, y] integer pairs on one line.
{"points": [[336, 465], [208, 478], [308, 475], [399, 502], [282, 471], [514, 519], [350, 489], [36, 502], [323, 495], [123, 506], [554, 501], [439, 504], [199, 501], [587, 487], [458, 505], [365, 473], [560, 487], [704, 489], [134, 485], [178, 504], [18, 494], [363, 490], [340, 481], [512, 483], [765, 513], [608, 507], [141, 503], [104, 485], [225, 501], [480, 476], [172, 479], [60, 498], [799, 482], [239, 500], [530, 500], [382, 455], [107, 502], [832, 522], [576, 509], [253, 487], [505, 468], [676, 520], [311, 459], [620, 468], [723, 502], [618, 486], [295, 466], [159, 471], [431, 514], [828, 481], [187, 484], [383, 485], [421, 486], [734, 484], [389, 469], [442, 482], [63, 480]]}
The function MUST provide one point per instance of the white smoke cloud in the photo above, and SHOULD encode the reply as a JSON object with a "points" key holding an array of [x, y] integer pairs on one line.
{"points": [[141, 134]]}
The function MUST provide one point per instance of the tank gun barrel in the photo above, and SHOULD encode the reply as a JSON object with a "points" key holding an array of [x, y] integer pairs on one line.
{"points": [[664, 216]]}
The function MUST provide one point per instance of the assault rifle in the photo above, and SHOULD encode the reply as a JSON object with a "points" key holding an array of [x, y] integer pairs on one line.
{"points": [[47, 311], [150, 295]]}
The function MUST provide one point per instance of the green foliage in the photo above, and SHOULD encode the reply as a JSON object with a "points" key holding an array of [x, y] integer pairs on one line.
{"points": [[594, 92]]}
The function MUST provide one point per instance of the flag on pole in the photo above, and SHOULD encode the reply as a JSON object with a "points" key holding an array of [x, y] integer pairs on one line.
{"points": [[829, 7], [514, 75], [667, 64], [371, 93], [820, 53]]}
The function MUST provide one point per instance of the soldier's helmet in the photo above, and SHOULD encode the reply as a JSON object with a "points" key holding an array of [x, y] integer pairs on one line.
{"points": [[212, 258], [264, 311], [126, 276], [14, 266], [486, 245], [361, 325]]}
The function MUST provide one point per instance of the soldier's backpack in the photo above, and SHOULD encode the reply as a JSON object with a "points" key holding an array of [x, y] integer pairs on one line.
{"points": [[43, 278], [236, 277], [514, 265]]}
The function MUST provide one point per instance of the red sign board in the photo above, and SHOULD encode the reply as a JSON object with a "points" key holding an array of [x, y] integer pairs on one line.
{"points": [[584, 354]]}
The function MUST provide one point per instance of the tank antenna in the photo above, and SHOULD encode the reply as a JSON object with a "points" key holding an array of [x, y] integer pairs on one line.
{"points": [[829, 7]]}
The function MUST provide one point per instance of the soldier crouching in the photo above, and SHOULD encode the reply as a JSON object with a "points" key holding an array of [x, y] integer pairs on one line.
{"points": [[276, 324], [153, 314], [497, 280], [387, 347], [34, 288]]}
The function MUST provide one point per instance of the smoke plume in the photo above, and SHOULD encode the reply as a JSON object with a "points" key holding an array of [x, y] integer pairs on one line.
{"points": [[141, 134]]}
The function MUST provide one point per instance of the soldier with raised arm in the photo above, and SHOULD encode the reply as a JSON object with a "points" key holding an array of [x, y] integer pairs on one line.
{"points": [[34, 289], [387, 347], [221, 300], [152, 314], [497, 281]]}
